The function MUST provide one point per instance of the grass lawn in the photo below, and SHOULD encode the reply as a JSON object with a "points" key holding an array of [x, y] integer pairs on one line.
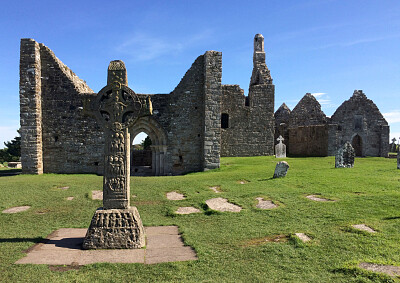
{"points": [[230, 246]]}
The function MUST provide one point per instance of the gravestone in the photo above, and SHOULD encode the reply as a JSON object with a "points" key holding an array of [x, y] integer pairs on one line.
{"points": [[280, 148], [398, 159], [345, 156], [117, 225], [281, 169], [393, 145]]}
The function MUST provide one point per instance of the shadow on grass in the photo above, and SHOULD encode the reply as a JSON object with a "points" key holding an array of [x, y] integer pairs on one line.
{"points": [[391, 218], [10, 172], [69, 243], [21, 240], [262, 180]]}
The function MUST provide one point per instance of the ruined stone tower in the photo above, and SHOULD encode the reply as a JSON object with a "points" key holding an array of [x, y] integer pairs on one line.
{"points": [[247, 123]]}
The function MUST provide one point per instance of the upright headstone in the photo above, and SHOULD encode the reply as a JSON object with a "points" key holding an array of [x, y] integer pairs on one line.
{"points": [[393, 145], [280, 148], [281, 169], [345, 156], [117, 225]]}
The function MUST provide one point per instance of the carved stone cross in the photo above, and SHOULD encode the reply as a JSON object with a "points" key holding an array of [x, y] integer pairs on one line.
{"points": [[280, 148], [280, 139], [117, 225]]}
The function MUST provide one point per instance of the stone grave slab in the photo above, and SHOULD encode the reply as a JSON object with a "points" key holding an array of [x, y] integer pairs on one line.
{"points": [[97, 194], [303, 237], [64, 247], [70, 198], [364, 227], [216, 189], [317, 198], [281, 169], [265, 204], [222, 204], [390, 270], [63, 188], [175, 196], [16, 209], [187, 210]]}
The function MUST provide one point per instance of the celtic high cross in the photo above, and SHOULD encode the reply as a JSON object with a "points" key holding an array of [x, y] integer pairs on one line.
{"points": [[117, 225]]}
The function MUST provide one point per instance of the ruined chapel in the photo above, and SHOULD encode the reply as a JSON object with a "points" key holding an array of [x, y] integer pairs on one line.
{"points": [[191, 127]]}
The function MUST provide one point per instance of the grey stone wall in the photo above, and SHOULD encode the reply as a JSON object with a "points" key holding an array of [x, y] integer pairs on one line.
{"points": [[251, 120], [309, 140], [359, 116], [30, 107], [307, 112], [282, 116]]}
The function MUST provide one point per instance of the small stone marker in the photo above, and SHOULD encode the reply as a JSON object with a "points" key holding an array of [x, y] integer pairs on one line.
{"points": [[16, 209], [265, 204], [344, 157], [390, 270], [222, 204], [97, 195], [187, 210], [398, 159], [281, 169], [175, 196], [242, 182], [280, 148], [316, 198], [216, 189], [70, 198], [117, 225], [364, 227], [303, 237]]}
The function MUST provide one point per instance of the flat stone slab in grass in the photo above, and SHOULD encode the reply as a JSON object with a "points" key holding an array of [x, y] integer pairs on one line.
{"points": [[216, 189], [97, 195], [303, 237], [70, 198], [63, 188], [16, 209], [364, 227], [265, 204], [316, 198], [390, 270], [64, 247], [222, 204], [242, 182], [187, 210], [175, 196]]}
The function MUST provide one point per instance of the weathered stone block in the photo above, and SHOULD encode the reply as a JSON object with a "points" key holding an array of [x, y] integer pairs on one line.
{"points": [[281, 169], [115, 229], [345, 156]]}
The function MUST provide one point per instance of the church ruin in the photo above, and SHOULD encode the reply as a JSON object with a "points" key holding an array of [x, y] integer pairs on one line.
{"points": [[191, 127]]}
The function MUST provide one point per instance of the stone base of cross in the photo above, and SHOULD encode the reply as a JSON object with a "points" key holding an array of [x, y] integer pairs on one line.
{"points": [[117, 225]]}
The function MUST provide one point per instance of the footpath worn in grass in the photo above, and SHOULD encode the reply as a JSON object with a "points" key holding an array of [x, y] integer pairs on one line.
{"points": [[231, 246]]}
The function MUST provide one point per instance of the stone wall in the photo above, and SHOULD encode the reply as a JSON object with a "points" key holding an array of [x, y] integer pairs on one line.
{"points": [[30, 107], [359, 119], [307, 112], [309, 140], [249, 130], [282, 116]]}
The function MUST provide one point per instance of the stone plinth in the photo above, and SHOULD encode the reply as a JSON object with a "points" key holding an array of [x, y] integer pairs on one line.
{"points": [[115, 229]]}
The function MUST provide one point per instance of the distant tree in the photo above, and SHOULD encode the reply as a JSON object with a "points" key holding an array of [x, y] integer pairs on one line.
{"points": [[12, 152], [146, 143]]}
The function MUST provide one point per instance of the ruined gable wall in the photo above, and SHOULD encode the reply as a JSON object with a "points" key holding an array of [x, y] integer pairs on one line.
{"points": [[307, 112], [372, 126], [72, 141]]}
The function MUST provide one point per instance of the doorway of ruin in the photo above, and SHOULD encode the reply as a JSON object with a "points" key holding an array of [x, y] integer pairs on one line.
{"points": [[357, 145], [149, 161]]}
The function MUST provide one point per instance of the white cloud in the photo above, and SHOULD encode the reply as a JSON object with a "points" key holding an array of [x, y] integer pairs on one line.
{"points": [[392, 117], [148, 46], [318, 94]]}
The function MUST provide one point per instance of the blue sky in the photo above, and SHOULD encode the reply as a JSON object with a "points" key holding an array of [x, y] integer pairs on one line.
{"points": [[326, 47]]}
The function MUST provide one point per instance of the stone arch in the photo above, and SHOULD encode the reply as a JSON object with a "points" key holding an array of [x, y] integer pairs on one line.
{"points": [[357, 143], [158, 138]]}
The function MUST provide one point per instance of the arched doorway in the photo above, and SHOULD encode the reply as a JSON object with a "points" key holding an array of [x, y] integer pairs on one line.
{"points": [[158, 143], [357, 145], [141, 155]]}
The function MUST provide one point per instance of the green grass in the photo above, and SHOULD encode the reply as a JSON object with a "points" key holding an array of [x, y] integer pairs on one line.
{"points": [[368, 193]]}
